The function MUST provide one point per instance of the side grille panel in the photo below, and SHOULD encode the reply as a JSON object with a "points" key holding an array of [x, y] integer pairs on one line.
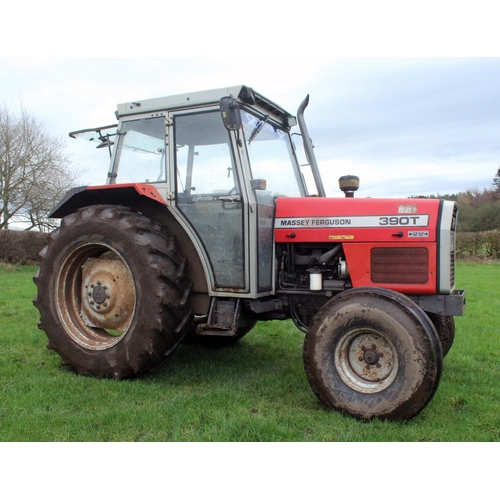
{"points": [[399, 265]]}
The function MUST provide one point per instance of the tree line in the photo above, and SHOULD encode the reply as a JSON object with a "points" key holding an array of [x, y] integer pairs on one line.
{"points": [[477, 210]]}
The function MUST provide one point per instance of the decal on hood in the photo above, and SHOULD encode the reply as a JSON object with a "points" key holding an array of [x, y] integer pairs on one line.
{"points": [[354, 221]]}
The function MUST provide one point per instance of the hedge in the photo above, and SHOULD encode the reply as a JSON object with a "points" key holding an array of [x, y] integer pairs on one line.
{"points": [[483, 245], [21, 247]]}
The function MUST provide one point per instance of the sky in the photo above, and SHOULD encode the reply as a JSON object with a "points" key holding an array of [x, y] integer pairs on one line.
{"points": [[403, 95], [405, 126]]}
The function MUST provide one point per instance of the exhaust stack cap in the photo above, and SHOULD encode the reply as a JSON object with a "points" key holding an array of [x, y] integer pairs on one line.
{"points": [[348, 184]]}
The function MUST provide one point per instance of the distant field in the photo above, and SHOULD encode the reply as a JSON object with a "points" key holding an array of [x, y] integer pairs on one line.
{"points": [[254, 391]]}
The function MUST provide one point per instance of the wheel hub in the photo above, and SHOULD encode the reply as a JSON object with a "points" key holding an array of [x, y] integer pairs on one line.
{"points": [[370, 356], [108, 296], [366, 360], [99, 294]]}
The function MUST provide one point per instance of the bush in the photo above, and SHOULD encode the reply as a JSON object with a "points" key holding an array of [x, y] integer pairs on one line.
{"points": [[485, 245], [21, 247]]}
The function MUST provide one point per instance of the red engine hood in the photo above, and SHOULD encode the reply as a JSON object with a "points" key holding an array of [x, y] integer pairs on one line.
{"points": [[356, 219]]}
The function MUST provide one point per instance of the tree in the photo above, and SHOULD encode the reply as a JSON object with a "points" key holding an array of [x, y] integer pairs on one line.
{"points": [[495, 187], [475, 198], [34, 170]]}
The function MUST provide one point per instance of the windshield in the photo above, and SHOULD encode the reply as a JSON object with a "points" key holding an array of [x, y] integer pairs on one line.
{"points": [[141, 151], [271, 156]]}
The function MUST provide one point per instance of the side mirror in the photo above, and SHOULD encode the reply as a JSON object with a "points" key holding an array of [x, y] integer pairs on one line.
{"points": [[230, 113], [258, 184]]}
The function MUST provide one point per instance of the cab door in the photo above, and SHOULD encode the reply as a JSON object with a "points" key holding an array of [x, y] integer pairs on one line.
{"points": [[271, 159], [208, 196]]}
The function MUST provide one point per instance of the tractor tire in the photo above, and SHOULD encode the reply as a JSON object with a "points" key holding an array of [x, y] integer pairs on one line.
{"points": [[372, 353], [445, 327], [112, 295]]}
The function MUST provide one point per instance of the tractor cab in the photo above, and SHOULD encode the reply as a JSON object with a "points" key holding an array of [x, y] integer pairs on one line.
{"points": [[218, 159]]}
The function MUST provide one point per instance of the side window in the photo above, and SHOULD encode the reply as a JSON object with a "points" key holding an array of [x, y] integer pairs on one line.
{"points": [[203, 156]]}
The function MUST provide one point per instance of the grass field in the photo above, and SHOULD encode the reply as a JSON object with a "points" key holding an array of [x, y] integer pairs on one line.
{"points": [[254, 391]]}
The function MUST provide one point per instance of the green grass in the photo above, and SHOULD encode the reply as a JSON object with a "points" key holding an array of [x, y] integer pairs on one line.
{"points": [[254, 391]]}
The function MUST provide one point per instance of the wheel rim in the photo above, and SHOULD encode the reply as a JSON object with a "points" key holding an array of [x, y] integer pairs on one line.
{"points": [[95, 296], [366, 360]]}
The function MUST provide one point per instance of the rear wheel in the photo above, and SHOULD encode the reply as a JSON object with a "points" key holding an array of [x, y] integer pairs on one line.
{"points": [[372, 353], [445, 327], [112, 295]]}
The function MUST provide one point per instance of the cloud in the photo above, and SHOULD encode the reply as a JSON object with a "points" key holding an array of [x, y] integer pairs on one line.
{"points": [[404, 125]]}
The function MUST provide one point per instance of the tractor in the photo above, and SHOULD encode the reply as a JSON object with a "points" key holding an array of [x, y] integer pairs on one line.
{"points": [[208, 223]]}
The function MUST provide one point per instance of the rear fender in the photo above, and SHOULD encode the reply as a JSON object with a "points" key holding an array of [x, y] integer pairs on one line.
{"points": [[110, 194]]}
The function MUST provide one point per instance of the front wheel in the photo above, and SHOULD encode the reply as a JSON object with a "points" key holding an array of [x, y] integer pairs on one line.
{"points": [[112, 295], [372, 353]]}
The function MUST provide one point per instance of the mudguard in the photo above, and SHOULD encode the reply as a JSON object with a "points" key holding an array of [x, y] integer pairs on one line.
{"points": [[110, 194]]}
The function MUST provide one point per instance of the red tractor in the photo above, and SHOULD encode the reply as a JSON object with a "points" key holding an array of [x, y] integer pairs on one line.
{"points": [[206, 225]]}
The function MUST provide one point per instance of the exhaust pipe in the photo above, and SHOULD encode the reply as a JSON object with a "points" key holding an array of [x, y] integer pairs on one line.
{"points": [[308, 147]]}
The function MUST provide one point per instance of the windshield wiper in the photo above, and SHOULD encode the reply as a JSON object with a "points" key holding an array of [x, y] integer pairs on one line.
{"points": [[258, 128]]}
